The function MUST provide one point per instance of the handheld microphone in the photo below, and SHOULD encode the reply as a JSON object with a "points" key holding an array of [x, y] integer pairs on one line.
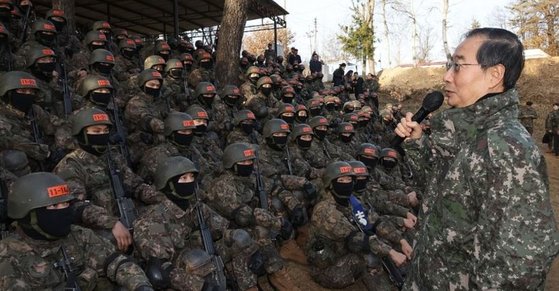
{"points": [[431, 102]]}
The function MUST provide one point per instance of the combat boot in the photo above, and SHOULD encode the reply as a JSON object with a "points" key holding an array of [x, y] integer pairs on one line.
{"points": [[281, 281]]}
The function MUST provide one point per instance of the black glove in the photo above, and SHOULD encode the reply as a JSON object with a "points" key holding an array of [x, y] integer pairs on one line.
{"points": [[310, 191], [256, 264], [357, 242], [286, 229], [147, 138], [299, 216]]}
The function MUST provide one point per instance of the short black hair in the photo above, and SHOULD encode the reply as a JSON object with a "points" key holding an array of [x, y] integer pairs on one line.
{"points": [[501, 47]]}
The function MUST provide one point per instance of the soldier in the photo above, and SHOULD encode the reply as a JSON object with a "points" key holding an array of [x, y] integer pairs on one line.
{"points": [[527, 116], [315, 106], [245, 129], [343, 141], [127, 63], [337, 247], [205, 140], [7, 58], [176, 89], [41, 64], [162, 49], [144, 114], [43, 34], [248, 88], [64, 37], [552, 127], [106, 29], [26, 126], [262, 103], [78, 65], [233, 195], [174, 251], [204, 72], [48, 252]]}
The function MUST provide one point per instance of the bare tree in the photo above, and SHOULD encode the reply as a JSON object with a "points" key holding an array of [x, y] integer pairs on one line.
{"points": [[445, 30], [331, 51], [409, 11], [386, 33], [229, 45], [425, 45], [256, 42], [536, 22]]}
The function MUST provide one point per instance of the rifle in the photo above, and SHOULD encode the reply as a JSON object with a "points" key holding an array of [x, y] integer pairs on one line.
{"points": [[218, 276], [288, 159], [25, 24], [37, 134], [66, 91], [359, 215], [3, 211], [260, 190], [66, 266], [126, 208], [120, 133]]}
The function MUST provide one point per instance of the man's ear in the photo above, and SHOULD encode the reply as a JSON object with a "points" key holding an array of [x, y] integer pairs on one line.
{"points": [[496, 75]]}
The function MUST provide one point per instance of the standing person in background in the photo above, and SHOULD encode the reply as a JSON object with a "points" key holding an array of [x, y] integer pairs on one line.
{"points": [[552, 126], [338, 76], [315, 65], [527, 116], [487, 218]]}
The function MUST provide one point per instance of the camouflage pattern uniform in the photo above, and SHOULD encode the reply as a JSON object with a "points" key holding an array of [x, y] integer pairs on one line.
{"points": [[527, 116], [488, 221]]}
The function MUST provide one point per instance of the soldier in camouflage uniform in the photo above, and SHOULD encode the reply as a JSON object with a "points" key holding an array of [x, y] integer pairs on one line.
{"points": [[79, 62], [245, 129], [219, 121], [205, 140], [337, 248], [488, 223], [18, 91], [322, 152], [233, 195], [527, 116], [263, 103], [248, 88], [144, 114], [86, 170], [127, 63], [45, 242], [176, 90], [7, 58], [204, 72], [343, 140], [43, 33], [64, 37], [166, 232]]}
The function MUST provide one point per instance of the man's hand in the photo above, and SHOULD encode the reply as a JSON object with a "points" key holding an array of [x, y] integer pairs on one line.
{"points": [[397, 257], [412, 217], [406, 248], [408, 128], [122, 236], [157, 126], [412, 199], [408, 223]]}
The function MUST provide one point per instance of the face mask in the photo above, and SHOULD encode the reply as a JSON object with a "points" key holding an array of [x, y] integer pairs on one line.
{"points": [[244, 170], [188, 67], [22, 102], [363, 123], [345, 138], [254, 79], [55, 222], [298, 89], [330, 106], [45, 39], [206, 65], [348, 110], [93, 47], [176, 74], [321, 134], [58, 24], [164, 56], [304, 144], [95, 144], [200, 129], [389, 164], [287, 99], [102, 99], [207, 100], [152, 91], [342, 189], [301, 119], [247, 127], [46, 67], [360, 184], [371, 163], [102, 69], [315, 111], [288, 119], [127, 53], [182, 139], [184, 190], [230, 101], [280, 140], [266, 91]]}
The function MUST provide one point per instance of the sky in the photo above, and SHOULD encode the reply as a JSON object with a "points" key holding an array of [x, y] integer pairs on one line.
{"points": [[330, 14]]}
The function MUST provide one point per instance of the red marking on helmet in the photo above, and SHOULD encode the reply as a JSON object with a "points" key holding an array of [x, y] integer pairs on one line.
{"points": [[370, 151], [360, 170], [103, 83], [109, 58], [178, 64], [138, 41], [307, 129], [348, 127], [202, 114], [156, 74], [236, 91], [48, 52], [165, 46], [28, 82], [102, 36], [48, 26], [106, 25], [57, 12], [392, 154], [323, 120], [129, 41], [188, 123], [100, 117], [353, 117], [210, 88], [284, 126], [248, 153], [250, 115], [288, 108], [345, 169], [58, 190]]}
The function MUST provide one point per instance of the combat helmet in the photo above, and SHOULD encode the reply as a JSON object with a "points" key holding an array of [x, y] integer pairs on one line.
{"points": [[237, 152]]}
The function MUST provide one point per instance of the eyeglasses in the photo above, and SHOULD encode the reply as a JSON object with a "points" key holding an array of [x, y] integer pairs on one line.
{"points": [[457, 66]]}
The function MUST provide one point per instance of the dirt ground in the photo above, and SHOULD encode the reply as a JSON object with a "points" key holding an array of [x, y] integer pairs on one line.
{"points": [[539, 84]]}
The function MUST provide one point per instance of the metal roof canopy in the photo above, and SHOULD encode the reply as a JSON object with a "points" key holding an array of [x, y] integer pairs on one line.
{"points": [[148, 17]]}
